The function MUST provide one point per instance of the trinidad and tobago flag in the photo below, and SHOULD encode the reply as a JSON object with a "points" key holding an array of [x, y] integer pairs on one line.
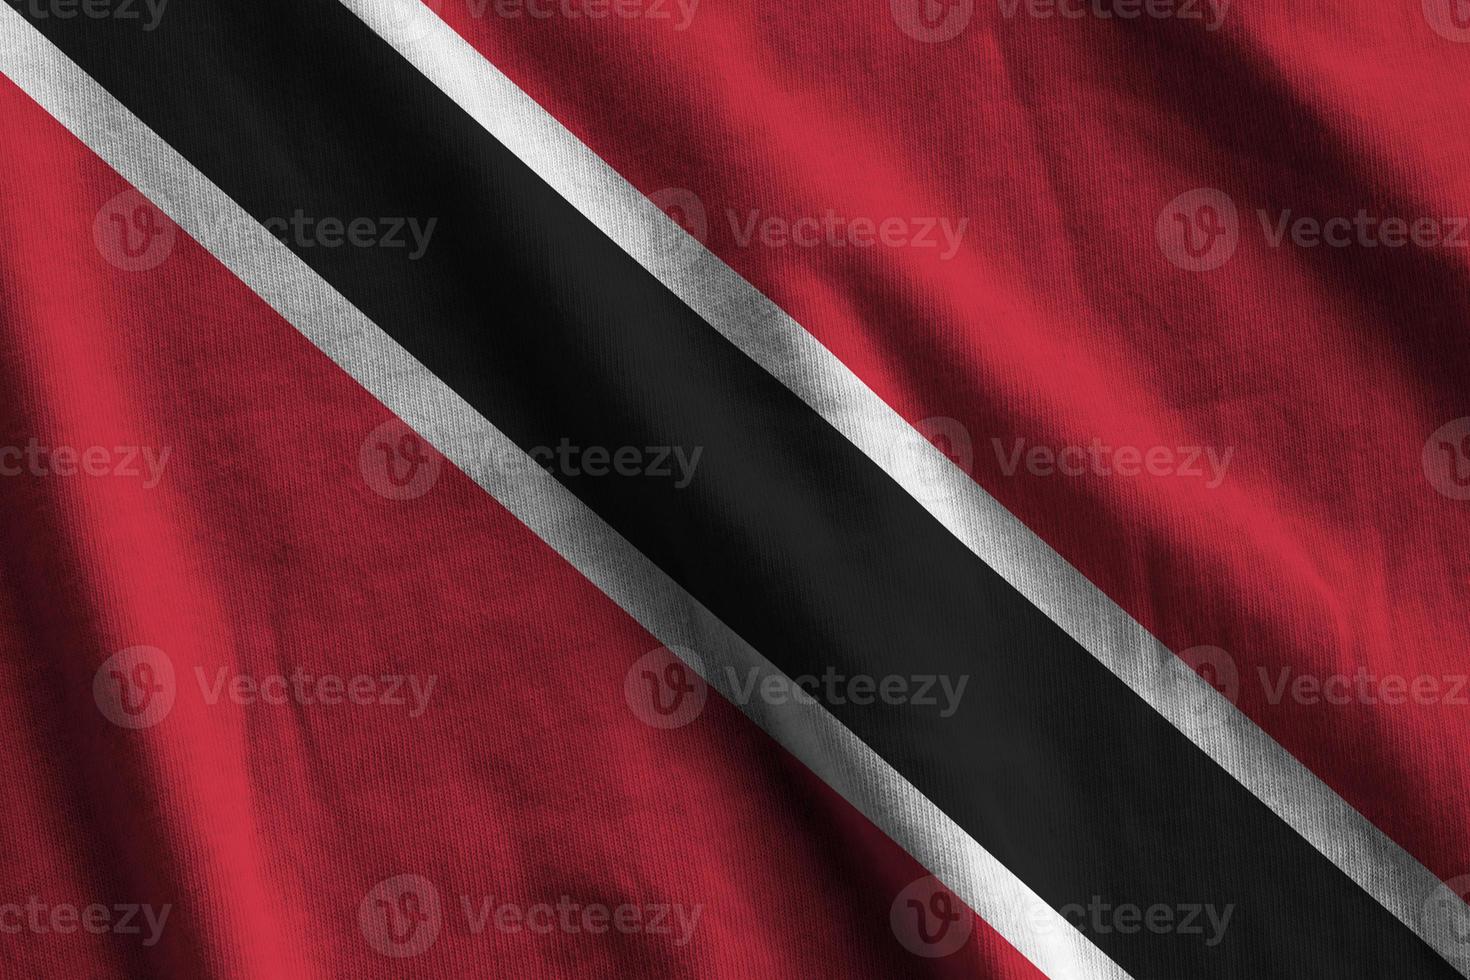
{"points": [[727, 488]]}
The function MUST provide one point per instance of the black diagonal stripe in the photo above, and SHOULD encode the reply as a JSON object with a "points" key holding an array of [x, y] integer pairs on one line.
{"points": [[788, 533]]}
